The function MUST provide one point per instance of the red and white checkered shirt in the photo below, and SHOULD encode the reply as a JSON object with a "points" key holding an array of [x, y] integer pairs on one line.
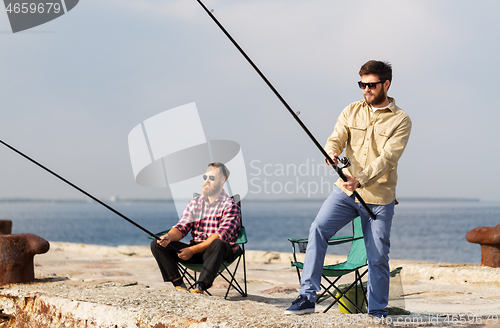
{"points": [[223, 217]]}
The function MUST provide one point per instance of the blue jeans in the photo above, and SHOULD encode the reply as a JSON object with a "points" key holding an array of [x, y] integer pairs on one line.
{"points": [[337, 211]]}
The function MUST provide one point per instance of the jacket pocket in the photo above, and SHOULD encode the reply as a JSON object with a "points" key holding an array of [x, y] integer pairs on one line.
{"points": [[357, 133], [381, 135]]}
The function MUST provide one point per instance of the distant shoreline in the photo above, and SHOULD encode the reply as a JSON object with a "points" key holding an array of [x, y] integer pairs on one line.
{"points": [[428, 199], [155, 200]]}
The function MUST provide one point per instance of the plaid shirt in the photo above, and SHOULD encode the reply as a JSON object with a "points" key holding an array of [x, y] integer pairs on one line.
{"points": [[223, 217]]}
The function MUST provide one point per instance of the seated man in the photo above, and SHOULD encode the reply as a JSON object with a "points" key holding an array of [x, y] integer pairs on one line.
{"points": [[214, 220]]}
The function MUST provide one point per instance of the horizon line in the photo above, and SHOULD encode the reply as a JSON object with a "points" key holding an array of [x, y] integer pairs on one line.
{"points": [[115, 199]]}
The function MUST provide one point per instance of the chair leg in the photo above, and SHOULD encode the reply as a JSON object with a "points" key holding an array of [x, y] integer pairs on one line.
{"points": [[365, 299], [245, 271], [233, 282], [295, 260], [186, 275], [191, 280], [357, 280], [343, 294], [298, 273], [326, 290], [335, 298]]}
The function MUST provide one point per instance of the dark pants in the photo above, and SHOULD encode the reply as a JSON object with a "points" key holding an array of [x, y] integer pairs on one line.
{"points": [[211, 258]]}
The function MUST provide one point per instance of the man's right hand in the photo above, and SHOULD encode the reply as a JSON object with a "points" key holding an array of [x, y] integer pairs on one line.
{"points": [[164, 240], [334, 156]]}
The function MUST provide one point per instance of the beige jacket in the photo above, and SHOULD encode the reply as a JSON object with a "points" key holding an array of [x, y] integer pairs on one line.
{"points": [[373, 142]]}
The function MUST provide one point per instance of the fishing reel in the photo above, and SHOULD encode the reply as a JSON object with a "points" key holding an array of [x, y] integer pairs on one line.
{"points": [[346, 162]]}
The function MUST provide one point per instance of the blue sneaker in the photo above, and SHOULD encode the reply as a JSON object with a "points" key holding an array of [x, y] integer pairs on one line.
{"points": [[301, 305]]}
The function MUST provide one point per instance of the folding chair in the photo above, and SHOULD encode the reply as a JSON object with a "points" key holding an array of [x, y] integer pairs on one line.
{"points": [[224, 270], [356, 260]]}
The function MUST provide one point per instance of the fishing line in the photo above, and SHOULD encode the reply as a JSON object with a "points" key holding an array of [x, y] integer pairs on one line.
{"points": [[295, 116], [84, 192]]}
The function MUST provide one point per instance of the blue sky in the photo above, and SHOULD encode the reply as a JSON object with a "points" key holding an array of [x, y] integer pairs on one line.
{"points": [[73, 88]]}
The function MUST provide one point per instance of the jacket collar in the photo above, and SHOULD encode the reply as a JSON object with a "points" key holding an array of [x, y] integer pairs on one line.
{"points": [[392, 107]]}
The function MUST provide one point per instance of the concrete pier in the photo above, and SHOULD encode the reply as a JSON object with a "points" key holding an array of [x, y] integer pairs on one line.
{"points": [[80, 285]]}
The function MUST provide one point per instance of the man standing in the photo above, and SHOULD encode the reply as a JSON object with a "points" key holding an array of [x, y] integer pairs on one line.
{"points": [[214, 220], [374, 133]]}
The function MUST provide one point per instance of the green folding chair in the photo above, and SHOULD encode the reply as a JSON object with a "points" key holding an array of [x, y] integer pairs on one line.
{"points": [[356, 261], [224, 271]]}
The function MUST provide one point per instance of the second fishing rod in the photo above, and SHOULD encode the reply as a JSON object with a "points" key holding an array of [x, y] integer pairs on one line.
{"points": [[84, 192], [290, 110]]}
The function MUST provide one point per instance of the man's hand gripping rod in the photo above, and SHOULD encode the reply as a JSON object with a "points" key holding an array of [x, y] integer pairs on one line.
{"points": [[330, 160]]}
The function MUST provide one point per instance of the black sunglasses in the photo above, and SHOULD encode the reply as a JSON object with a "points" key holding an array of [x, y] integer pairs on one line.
{"points": [[211, 177], [370, 85]]}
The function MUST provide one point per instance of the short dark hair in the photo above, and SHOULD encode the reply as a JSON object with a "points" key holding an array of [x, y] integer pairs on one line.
{"points": [[222, 167], [382, 69]]}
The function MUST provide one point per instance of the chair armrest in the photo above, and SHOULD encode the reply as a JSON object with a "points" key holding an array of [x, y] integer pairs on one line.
{"points": [[293, 240], [335, 240], [340, 237], [340, 240], [242, 236]]}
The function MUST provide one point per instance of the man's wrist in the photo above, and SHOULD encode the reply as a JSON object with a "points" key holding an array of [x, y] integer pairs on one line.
{"points": [[362, 179]]}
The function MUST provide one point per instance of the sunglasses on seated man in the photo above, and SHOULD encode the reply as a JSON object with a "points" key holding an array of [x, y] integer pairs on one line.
{"points": [[211, 177]]}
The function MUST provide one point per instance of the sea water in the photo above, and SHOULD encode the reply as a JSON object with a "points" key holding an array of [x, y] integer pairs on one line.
{"points": [[421, 230]]}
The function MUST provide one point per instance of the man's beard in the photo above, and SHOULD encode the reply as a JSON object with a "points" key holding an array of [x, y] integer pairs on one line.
{"points": [[209, 190], [377, 100]]}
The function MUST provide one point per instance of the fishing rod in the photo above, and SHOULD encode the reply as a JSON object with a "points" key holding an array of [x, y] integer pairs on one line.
{"points": [[295, 116], [84, 192]]}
